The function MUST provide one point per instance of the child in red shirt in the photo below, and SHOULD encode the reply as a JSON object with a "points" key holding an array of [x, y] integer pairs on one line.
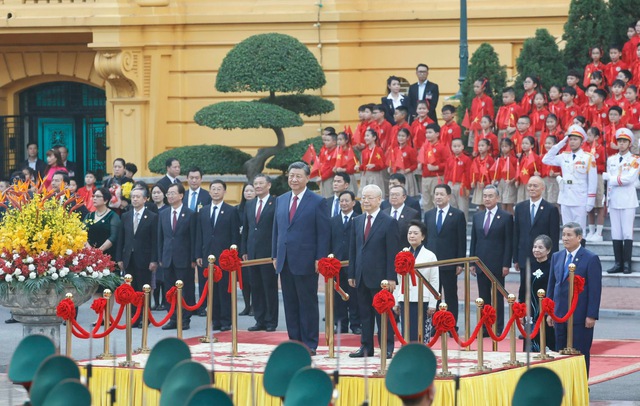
{"points": [[617, 95], [346, 160], [372, 163], [531, 85], [86, 192], [616, 65], [432, 160], [550, 173], [456, 175], [596, 115], [593, 146], [405, 160], [595, 65], [529, 165], [418, 126], [552, 129], [380, 124], [504, 173], [523, 129], [571, 109], [629, 48], [609, 138], [450, 130], [400, 116], [481, 105], [480, 175], [538, 115], [631, 117], [486, 132], [365, 115], [508, 114], [556, 106], [327, 159], [573, 77]]}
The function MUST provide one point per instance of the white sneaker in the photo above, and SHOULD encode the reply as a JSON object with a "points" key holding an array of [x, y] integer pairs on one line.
{"points": [[595, 237], [587, 236]]}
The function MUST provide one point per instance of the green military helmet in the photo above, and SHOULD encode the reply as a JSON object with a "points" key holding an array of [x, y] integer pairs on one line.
{"points": [[164, 356], [53, 370], [69, 392], [26, 359], [181, 380], [207, 396], [285, 360], [412, 370], [309, 387], [538, 386]]}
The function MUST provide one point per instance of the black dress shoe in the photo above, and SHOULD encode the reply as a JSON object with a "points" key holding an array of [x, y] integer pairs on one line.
{"points": [[11, 321], [389, 354], [225, 328], [186, 326], [172, 325], [356, 330], [245, 312], [251, 312], [270, 329], [215, 327], [257, 327], [360, 353], [202, 312]]}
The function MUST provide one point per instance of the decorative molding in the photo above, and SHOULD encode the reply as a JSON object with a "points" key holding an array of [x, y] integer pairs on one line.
{"points": [[121, 70], [152, 3]]}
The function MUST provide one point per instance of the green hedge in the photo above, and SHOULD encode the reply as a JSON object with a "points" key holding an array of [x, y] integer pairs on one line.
{"points": [[293, 153], [212, 159]]}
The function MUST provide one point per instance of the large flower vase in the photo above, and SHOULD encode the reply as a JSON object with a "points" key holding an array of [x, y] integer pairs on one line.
{"points": [[37, 310]]}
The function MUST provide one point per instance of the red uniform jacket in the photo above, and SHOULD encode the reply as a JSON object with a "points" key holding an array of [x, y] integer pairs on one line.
{"points": [[588, 71], [612, 70], [327, 160], [557, 108], [403, 158], [528, 165], [504, 168], [480, 106], [597, 150], [610, 137], [632, 116], [558, 133], [418, 131], [629, 51], [433, 154], [493, 139], [449, 132], [622, 102], [508, 116], [538, 119], [480, 169], [635, 71], [570, 113], [526, 104], [598, 117], [458, 169], [581, 98], [372, 156], [346, 159]]}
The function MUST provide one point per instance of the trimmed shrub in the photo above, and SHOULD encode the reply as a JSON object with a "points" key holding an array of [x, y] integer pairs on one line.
{"points": [[212, 159]]}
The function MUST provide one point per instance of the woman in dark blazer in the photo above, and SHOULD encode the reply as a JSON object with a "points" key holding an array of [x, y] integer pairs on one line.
{"points": [[394, 99]]}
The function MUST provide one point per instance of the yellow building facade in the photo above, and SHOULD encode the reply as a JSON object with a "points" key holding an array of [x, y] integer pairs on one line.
{"points": [[116, 78]]}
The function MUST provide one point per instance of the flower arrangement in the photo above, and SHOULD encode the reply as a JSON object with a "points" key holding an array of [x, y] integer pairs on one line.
{"points": [[43, 243]]}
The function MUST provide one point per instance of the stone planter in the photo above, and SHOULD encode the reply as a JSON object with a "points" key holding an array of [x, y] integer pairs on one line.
{"points": [[37, 311]]}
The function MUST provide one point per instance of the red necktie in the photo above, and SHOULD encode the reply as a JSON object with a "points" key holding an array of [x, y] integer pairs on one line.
{"points": [[294, 206], [175, 220], [259, 211], [367, 228]]}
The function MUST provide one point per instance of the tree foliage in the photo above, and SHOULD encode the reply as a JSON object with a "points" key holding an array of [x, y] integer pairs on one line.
{"points": [[211, 159], [541, 58], [292, 153], [484, 63], [587, 26], [306, 104], [244, 115], [621, 14]]}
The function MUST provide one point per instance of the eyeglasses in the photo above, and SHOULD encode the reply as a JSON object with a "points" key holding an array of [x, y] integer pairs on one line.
{"points": [[98, 196]]}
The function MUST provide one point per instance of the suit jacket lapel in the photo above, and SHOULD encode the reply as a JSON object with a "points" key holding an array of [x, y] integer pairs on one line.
{"points": [[376, 225], [301, 204]]}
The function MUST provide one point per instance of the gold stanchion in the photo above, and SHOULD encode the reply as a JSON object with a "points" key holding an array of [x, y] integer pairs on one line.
{"points": [[234, 310], [69, 330], [207, 334], [329, 296], [128, 332], [494, 303], [480, 367], [179, 286], [107, 312], [445, 351], [570, 350], [383, 338], [144, 349], [512, 336], [421, 312], [406, 326], [543, 331], [467, 304]]}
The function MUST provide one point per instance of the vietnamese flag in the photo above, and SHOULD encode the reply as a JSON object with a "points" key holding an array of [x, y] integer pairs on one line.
{"points": [[466, 121], [310, 156]]}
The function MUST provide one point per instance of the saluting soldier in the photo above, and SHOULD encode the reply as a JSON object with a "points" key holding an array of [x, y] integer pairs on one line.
{"points": [[411, 374], [579, 178], [622, 174]]}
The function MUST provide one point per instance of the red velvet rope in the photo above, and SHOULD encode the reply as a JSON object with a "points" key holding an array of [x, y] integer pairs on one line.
{"points": [[230, 262], [405, 264], [79, 332], [205, 292], [383, 302], [166, 318]]}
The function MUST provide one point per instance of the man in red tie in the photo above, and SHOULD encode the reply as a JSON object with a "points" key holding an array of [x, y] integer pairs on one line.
{"points": [[374, 244], [300, 239]]}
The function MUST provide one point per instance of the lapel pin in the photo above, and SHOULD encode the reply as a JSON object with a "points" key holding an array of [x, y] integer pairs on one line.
{"points": [[451, 214], [402, 216], [222, 212], [497, 217], [182, 215], [541, 207], [576, 260], [145, 216]]}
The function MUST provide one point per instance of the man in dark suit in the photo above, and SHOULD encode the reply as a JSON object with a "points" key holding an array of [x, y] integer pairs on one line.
{"points": [[300, 239], [137, 250], [218, 229], [587, 310], [400, 212], [33, 161], [257, 231], [71, 166], [173, 170], [196, 197], [447, 237], [341, 182], [398, 179], [492, 242], [176, 243], [341, 231], [532, 218], [375, 241], [424, 90]]}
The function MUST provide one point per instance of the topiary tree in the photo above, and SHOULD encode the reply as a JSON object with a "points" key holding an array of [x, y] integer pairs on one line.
{"points": [[212, 159], [292, 153], [540, 57], [267, 63], [484, 63], [587, 26], [621, 14]]}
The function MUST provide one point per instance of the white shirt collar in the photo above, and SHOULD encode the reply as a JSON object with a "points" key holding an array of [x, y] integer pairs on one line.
{"points": [[219, 206], [373, 215], [399, 210], [300, 195], [138, 212], [573, 253], [445, 209], [173, 180], [178, 210], [342, 214]]}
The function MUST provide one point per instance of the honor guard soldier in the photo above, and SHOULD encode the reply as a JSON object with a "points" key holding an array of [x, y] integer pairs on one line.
{"points": [[411, 373], [538, 386], [622, 174], [579, 179]]}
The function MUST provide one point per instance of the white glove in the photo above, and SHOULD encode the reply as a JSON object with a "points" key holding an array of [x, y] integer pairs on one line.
{"points": [[559, 179], [606, 176]]}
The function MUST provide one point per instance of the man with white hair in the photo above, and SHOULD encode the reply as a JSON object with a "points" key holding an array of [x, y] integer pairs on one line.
{"points": [[579, 179]]}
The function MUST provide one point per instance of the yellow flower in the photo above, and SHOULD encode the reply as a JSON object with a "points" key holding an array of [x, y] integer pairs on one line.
{"points": [[126, 190]]}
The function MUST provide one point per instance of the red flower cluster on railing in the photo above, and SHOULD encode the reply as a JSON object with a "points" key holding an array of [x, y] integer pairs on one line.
{"points": [[230, 262], [405, 264]]}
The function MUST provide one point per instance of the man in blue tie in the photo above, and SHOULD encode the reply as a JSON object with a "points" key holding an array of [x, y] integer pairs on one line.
{"points": [[588, 266], [341, 183]]}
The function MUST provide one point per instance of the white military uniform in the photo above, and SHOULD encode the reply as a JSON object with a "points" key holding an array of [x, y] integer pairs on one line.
{"points": [[621, 194], [579, 180]]}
